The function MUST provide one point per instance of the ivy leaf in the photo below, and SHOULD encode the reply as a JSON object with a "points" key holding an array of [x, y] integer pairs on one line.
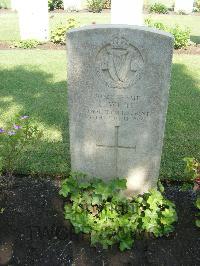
{"points": [[65, 189], [197, 223], [198, 203], [103, 190], [160, 187], [96, 200], [84, 185], [125, 244], [118, 184]]}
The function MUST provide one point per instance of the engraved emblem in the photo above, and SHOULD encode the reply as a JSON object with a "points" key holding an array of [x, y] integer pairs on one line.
{"points": [[120, 63]]}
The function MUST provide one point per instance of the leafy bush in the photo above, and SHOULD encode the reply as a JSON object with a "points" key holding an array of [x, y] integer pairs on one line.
{"points": [[182, 12], [4, 4], [58, 35], [159, 8], [181, 36], [107, 4], [14, 140], [55, 4], [26, 44], [95, 6], [100, 209], [155, 24], [197, 6]]}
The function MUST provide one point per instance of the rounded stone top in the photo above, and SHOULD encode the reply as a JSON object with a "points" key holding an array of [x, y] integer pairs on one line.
{"points": [[97, 27]]}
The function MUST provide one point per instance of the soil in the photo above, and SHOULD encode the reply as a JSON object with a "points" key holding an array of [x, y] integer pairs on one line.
{"points": [[34, 232], [193, 49]]}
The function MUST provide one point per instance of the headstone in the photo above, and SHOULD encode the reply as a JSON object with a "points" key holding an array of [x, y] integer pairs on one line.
{"points": [[72, 5], [118, 81], [33, 19], [14, 5], [184, 5], [127, 12]]}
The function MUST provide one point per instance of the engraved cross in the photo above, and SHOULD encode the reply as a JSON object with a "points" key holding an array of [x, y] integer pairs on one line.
{"points": [[116, 146]]}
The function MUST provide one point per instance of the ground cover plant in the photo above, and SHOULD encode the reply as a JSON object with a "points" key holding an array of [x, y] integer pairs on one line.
{"points": [[26, 44], [192, 169], [100, 209], [34, 79]]}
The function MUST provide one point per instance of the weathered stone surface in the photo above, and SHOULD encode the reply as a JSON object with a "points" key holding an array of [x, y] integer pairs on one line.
{"points": [[118, 82]]}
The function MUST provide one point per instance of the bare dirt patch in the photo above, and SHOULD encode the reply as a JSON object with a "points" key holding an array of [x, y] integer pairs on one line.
{"points": [[34, 232]]}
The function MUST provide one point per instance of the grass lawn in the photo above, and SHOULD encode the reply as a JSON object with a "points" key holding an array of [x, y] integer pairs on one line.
{"points": [[9, 30], [34, 83]]}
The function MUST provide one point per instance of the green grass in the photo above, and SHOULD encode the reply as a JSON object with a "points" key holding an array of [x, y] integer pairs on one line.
{"points": [[34, 82], [9, 30]]}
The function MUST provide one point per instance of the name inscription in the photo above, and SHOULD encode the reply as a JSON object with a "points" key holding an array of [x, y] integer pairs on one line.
{"points": [[107, 107]]}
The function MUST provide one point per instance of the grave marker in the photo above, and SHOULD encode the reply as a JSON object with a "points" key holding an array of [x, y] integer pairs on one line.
{"points": [[184, 5], [72, 5], [118, 82], [127, 12], [33, 19]]}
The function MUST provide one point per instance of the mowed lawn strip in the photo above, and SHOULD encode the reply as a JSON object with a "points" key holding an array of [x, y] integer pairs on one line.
{"points": [[34, 82]]}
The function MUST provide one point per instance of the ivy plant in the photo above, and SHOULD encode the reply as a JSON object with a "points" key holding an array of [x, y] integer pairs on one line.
{"points": [[192, 169], [101, 209]]}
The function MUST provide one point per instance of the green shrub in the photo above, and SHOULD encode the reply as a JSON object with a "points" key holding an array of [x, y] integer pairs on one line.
{"points": [[26, 44], [197, 6], [107, 4], [158, 8], [181, 36], [95, 6], [55, 4], [58, 35], [155, 24], [100, 209], [4, 4]]}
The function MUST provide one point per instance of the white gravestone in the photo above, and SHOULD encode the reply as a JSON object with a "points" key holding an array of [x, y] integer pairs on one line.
{"points": [[72, 4], [14, 4], [184, 5], [127, 12], [118, 82], [34, 19]]}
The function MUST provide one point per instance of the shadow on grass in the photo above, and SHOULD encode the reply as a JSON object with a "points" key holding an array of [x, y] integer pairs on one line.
{"points": [[33, 92], [195, 39], [182, 137], [30, 91]]}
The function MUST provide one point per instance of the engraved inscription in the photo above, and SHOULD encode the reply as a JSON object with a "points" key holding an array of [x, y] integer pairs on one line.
{"points": [[119, 63], [116, 146], [116, 108]]}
